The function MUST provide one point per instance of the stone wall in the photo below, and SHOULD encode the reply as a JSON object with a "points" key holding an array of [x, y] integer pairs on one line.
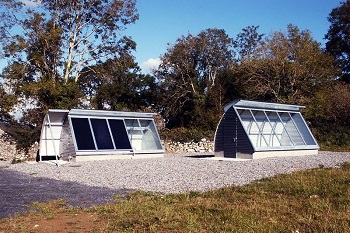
{"points": [[189, 147], [8, 151]]}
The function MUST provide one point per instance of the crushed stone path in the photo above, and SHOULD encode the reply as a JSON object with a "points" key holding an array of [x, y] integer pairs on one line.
{"points": [[95, 182]]}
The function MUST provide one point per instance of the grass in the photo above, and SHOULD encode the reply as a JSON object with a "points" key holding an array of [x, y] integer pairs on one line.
{"points": [[316, 200]]}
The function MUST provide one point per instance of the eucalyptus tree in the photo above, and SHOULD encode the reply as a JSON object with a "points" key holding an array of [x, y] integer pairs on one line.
{"points": [[89, 31]]}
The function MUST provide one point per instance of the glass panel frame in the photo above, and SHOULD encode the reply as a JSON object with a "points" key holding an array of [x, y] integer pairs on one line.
{"points": [[135, 135], [275, 130]]}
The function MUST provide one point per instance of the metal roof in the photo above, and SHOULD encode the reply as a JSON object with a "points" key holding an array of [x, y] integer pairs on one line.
{"points": [[263, 105], [105, 113]]}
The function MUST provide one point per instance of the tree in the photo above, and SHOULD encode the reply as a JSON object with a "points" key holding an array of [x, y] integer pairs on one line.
{"points": [[31, 75], [247, 42], [89, 30], [48, 44], [6, 104], [338, 37], [118, 85], [287, 67], [189, 70]]}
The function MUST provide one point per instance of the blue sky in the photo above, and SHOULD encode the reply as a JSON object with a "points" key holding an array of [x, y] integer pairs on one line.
{"points": [[163, 21]]}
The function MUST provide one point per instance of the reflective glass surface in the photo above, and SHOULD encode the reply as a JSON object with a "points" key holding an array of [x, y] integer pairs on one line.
{"points": [[119, 133], [101, 133], [83, 135]]}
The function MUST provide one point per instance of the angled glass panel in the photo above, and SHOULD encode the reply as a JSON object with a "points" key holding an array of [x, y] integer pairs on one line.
{"points": [[133, 127], [303, 129], [150, 139], [249, 125], [286, 140], [264, 131], [82, 133], [101, 133], [276, 129], [247, 120], [291, 133], [119, 133]]}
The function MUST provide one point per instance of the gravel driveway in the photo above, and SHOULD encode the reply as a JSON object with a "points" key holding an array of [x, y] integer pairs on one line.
{"points": [[92, 183]]}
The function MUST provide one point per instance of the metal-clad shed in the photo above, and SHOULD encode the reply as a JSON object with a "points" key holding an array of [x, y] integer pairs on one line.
{"points": [[252, 129], [96, 134]]}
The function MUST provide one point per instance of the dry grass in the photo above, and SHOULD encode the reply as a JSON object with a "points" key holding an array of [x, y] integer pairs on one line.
{"points": [[316, 200]]}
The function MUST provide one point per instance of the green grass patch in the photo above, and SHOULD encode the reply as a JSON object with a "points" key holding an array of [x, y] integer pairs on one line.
{"points": [[316, 200]]}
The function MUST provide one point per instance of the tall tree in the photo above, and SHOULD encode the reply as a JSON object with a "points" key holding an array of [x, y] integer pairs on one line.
{"points": [[117, 84], [287, 67], [48, 44], [32, 73], [338, 37], [89, 30], [247, 42], [188, 72]]}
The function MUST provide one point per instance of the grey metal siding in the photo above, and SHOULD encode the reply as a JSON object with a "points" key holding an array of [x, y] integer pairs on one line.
{"points": [[226, 135], [67, 145], [243, 143], [230, 133], [219, 136]]}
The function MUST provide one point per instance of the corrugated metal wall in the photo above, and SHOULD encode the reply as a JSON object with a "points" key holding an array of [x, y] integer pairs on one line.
{"points": [[229, 130]]}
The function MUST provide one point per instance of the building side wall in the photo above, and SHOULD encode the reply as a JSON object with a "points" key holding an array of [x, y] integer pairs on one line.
{"points": [[67, 150]]}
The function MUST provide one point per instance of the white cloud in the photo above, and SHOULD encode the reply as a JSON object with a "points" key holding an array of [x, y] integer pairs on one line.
{"points": [[150, 64], [31, 3]]}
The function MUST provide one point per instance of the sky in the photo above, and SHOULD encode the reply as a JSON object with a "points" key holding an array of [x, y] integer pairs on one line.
{"points": [[161, 22]]}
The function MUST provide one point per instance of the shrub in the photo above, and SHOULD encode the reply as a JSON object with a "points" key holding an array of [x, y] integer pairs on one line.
{"points": [[25, 136]]}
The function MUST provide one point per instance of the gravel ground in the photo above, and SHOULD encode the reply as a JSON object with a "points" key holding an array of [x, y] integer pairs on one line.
{"points": [[99, 180]]}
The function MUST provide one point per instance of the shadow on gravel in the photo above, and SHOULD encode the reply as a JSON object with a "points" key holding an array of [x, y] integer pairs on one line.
{"points": [[17, 190]]}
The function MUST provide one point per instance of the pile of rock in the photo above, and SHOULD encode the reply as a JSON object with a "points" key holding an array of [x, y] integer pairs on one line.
{"points": [[8, 151], [187, 147]]}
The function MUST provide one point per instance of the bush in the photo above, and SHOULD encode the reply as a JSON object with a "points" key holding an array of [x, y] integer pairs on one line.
{"points": [[333, 137], [25, 136], [329, 115]]}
